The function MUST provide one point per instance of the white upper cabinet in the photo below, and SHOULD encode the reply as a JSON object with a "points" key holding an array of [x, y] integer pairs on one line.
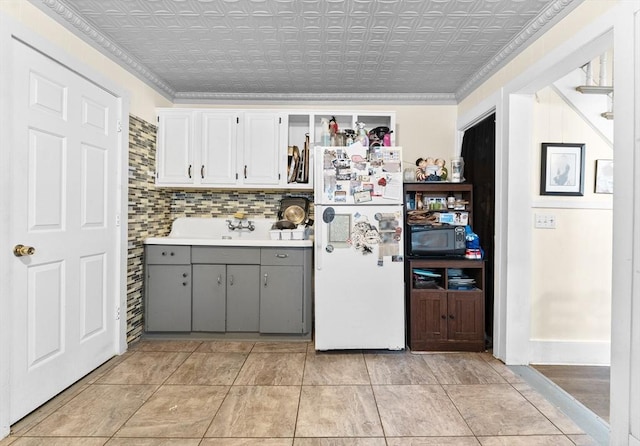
{"points": [[175, 137], [218, 148], [247, 149], [261, 147]]}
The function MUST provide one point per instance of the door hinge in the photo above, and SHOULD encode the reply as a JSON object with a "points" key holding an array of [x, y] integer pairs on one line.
{"points": [[118, 313], [119, 126], [117, 220]]}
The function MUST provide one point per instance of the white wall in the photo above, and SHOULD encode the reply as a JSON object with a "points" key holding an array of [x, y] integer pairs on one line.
{"points": [[579, 37], [571, 277]]}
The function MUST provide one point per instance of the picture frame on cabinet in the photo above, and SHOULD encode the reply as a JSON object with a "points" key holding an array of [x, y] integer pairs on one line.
{"points": [[562, 169]]}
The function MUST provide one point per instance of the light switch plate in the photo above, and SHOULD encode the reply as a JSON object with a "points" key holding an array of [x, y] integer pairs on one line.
{"points": [[545, 221]]}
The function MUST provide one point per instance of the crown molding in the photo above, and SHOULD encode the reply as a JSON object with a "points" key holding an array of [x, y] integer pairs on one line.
{"points": [[551, 15], [68, 17], [409, 98]]}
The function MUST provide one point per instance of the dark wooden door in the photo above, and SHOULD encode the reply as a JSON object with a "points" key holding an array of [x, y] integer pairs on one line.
{"points": [[428, 316], [465, 309], [478, 151]]}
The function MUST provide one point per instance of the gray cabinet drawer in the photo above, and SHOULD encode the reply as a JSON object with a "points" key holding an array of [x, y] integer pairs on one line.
{"points": [[225, 255], [168, 255], [281, 256]]}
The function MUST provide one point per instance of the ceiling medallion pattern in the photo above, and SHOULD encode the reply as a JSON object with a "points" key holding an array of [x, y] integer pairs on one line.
{"points": [[420, 51]]}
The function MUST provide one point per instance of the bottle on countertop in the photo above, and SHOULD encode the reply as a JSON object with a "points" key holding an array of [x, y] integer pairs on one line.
{"points": [[362, 134], [325, 135], [386, 139]]}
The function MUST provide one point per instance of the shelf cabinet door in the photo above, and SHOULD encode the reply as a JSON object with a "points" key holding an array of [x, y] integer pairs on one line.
{"points": [[281, 297], [218, 151], [428, 316], [168, 303], [209, 310], [243, 298], [465, 315], [261, 142], [175, 148]]}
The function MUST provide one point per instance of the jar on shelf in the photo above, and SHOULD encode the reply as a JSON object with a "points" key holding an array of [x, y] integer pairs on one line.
{"points": [[457, 170]]}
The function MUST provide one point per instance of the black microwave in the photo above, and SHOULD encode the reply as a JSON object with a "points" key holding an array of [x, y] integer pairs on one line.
{"points": [[437, 241]]}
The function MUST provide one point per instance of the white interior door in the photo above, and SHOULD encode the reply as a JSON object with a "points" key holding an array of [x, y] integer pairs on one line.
{"points": [[64, 162]]}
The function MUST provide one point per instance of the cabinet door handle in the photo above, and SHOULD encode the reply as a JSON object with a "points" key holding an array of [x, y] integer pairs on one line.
{"points": [[184, 283], [189, 171], [245, 171], [231, 280], [184, 274], [219, 280], [282, 256], [451, 316], [265, 279], [202, 172], [444, 316]]}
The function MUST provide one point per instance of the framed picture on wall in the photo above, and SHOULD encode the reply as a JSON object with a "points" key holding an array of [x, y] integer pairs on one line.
{"points": [[604, 177], [562, 169]]}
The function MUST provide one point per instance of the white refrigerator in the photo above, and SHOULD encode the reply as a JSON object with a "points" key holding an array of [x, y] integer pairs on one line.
{"points": [[359, 272]]}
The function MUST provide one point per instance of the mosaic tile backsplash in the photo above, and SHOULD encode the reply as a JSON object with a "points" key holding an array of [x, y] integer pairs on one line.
{"points": [[152, 210]]}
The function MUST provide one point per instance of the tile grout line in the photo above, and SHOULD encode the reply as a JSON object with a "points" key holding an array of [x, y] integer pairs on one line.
{"points": [[114, 435], [304, 366], [226, 394], [375, 400]]}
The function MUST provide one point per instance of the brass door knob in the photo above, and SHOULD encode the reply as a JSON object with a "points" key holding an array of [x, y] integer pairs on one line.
{"points": [[21, 250]]}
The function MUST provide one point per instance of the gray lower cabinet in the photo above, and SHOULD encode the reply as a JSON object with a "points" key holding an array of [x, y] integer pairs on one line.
{"points": [[209, 304], [282, 292], [225, 298], [228, 289], [243, 298], [168, 289]]}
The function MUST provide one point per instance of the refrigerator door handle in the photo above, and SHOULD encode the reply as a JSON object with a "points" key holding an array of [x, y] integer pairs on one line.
{"points": [[318, 245]]}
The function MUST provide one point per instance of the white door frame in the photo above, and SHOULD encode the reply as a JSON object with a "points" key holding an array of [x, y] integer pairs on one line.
{"points": [[512, 104], [625, 329], [9, 30], [620, 26]]}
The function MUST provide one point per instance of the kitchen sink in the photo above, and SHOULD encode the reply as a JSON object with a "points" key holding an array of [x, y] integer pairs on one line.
{"points": [[216, 232]]}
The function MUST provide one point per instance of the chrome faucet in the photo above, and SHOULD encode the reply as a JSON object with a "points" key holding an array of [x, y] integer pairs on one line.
{"points": [[232, 227]]}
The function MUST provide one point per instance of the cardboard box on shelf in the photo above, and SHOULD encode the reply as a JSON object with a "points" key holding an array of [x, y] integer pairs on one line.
{"points": [[454, 218]]}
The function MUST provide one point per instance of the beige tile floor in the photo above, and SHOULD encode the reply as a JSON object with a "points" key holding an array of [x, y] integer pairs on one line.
{"points": [[214, 393]]}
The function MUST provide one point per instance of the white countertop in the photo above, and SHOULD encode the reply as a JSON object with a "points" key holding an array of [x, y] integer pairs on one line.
{"points": [[198, 231], [227, 242]]}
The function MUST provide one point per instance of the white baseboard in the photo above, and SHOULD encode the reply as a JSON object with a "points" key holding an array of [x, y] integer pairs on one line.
{"points": [[570, 352]]}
